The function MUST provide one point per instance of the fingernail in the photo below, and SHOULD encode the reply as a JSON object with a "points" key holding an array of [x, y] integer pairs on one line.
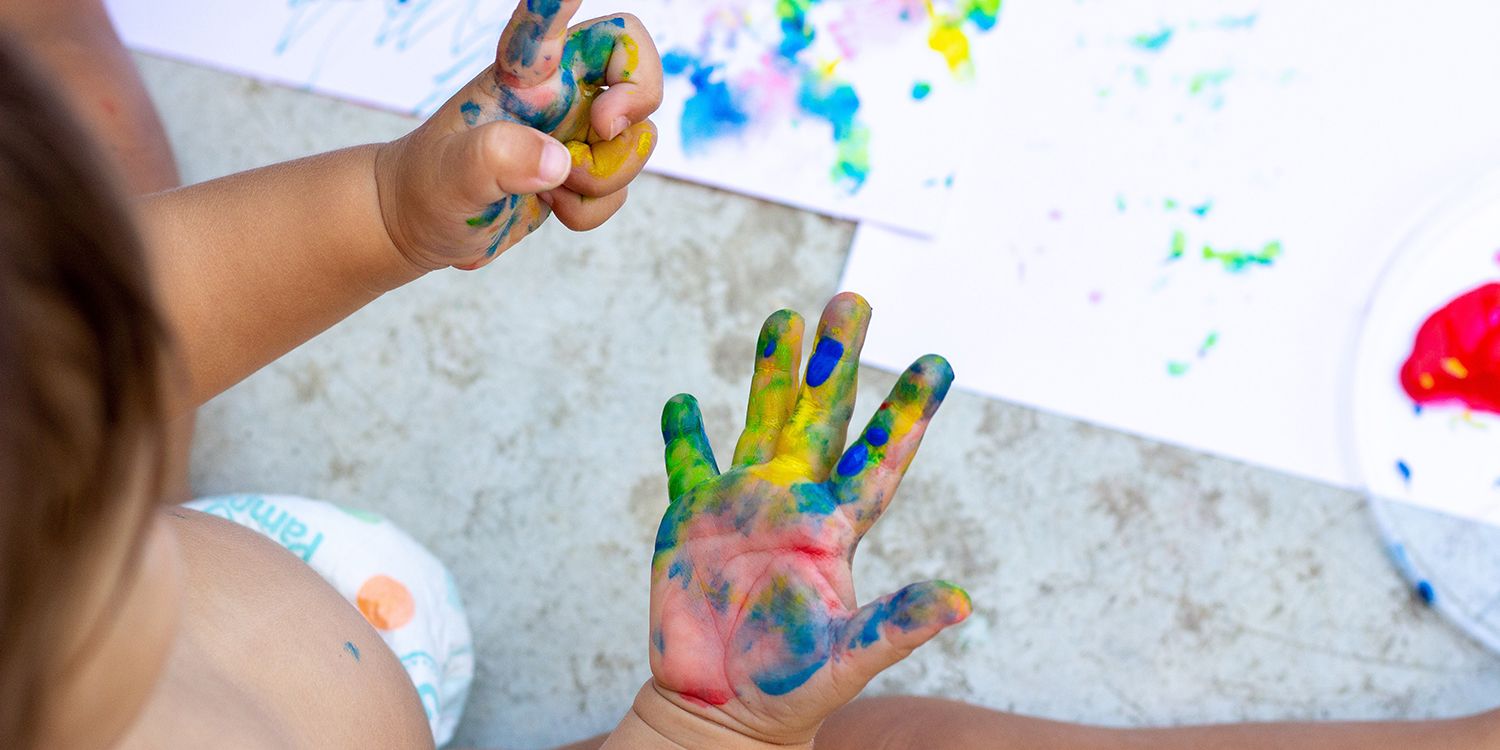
{"points": [[621, 123], [555, 163]]}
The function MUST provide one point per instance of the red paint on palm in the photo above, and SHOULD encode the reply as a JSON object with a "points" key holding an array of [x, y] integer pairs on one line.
{"points": [[1455, 358]]}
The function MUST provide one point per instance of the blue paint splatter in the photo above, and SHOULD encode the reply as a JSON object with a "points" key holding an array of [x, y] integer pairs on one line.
{"points": [[770, 347], [712, 110], [854, 459], [1424, 590], [796, 32], [877, 436], [659, 639], [544, 8], [1403, 470], [780, 683], [838, 103], [471, 113], [352, 649], [920, 90], [813, 499], [488, 216], [680, 569], [825, 357], [718, 596], [1153, 42]]}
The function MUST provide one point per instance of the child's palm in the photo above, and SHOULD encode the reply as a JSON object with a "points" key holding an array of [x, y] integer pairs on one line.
{"points": [[754, 619]]}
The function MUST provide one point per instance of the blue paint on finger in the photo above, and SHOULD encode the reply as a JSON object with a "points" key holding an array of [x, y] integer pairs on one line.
{"points": [[352, 649], [825, 357], [544, 8], [877, 436], [770, 347], [854, 459]]}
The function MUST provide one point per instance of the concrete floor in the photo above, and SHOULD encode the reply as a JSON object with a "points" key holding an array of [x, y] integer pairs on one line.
{"points": [[508, 419]]}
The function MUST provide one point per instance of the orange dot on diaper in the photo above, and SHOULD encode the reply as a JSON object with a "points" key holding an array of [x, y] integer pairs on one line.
{"points": [[385, 602]]}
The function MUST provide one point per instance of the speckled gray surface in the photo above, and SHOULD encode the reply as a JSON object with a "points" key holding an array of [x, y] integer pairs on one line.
{"points": [[508, 419]]}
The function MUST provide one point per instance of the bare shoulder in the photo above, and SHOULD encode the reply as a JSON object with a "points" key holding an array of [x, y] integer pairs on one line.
{"points": [[263, 631]]}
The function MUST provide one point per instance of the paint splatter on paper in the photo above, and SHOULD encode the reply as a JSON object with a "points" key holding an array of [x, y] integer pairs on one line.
{"points": [[827, 105], [747, 72]]}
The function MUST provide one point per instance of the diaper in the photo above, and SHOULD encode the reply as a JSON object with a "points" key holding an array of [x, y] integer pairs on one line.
{"points": [[399, 587]]}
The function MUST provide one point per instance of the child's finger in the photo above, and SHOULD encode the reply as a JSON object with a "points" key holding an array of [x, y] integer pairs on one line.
{"points": [[690, 460], [581, 213], [773, 387], [814, 435], [616, 51], [601, 168], [500, 159], [531, 46], [888, 629], [867, 475]]}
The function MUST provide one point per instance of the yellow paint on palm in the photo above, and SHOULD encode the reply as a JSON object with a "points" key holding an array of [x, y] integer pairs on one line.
{"points": [[643, 143], [784, 470]]}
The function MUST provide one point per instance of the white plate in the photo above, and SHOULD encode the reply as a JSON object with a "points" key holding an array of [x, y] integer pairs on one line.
{"points": [[1433, 474]]}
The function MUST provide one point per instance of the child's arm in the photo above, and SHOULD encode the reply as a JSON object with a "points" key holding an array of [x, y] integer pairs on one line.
{"points": [[254, 264]]}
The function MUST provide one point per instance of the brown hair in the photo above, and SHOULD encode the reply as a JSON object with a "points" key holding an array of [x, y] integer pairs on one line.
{"points": [[82, 356]]}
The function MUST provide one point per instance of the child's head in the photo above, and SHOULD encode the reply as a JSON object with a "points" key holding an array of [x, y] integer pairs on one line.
{"points": [[89, 582]]}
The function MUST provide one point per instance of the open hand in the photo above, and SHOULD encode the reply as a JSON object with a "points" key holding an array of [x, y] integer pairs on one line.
{"points": [[557, 125], [754, 624]]}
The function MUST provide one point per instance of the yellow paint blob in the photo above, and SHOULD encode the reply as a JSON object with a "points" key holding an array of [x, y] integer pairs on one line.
{"points": [[643, 144], [947, 39], [1453, 367], [1425, 380]]}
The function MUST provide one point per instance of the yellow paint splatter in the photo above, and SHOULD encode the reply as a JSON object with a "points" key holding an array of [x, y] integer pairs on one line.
{"points": [[1453, 367], [580, 153], [643, 144], [947, 38], [632, 56], [1426, 381]]}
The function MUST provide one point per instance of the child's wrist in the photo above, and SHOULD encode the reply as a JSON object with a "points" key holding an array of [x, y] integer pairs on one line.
{"points": [[654, 721], [397, 265]]}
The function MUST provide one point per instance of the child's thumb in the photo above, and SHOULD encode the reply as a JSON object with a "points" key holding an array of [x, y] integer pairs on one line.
{"points": [[503, 158], [888, 629]]}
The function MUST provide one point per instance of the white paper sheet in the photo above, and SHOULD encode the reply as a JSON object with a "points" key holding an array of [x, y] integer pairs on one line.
{"points": [[1316, 133], [892, 163]]}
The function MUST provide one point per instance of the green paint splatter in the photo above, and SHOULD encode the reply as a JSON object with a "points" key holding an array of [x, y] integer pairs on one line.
{"points": [[1177, 368], [1169, 204], [1120, 202], [1236, 261], [1203, 80], [1179, 245], [1209, 342]]}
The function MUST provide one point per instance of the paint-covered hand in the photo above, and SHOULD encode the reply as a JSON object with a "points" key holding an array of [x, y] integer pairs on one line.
{"points": [[754, 624], [557, 125]]}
